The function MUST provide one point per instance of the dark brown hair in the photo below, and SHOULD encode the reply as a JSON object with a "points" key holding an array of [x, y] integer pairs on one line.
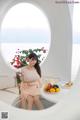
{"points": [[37, 67]]}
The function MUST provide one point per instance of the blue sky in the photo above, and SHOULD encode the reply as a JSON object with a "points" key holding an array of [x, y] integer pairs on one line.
{"points": [[25, 36], [31, 36], [25, 22]]}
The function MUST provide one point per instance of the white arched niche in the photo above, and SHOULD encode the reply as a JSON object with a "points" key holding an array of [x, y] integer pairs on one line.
{"points": [[24, 27], [58, 62], [75, 71]]}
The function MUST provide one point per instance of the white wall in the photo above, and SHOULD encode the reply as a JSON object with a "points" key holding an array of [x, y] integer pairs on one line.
{"points": [[58, 62]]}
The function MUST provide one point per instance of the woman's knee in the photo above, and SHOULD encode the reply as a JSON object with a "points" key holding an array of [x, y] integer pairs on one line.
{"points": [[36, 98], [29, 98]]}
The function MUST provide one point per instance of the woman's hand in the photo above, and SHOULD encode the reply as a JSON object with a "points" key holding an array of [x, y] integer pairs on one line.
{"points": [[33, 83], [30, 81]]}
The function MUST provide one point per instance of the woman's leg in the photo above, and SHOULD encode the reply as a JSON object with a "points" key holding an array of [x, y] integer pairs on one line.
{"points": [[23, 101], [30, 102], [38, 102]]}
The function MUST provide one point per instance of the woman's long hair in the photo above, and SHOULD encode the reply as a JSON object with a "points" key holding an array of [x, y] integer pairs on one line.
{"points": [[37, 67]]}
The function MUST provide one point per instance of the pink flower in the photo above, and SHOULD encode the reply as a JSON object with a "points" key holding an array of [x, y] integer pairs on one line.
{"points": [[42, 48], [44, 51]]}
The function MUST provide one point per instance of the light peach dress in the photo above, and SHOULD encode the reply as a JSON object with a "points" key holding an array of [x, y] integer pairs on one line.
{"points": [[27, 87]]}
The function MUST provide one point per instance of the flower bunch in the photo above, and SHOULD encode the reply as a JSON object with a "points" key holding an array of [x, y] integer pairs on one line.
{"points": [[21, 57]]}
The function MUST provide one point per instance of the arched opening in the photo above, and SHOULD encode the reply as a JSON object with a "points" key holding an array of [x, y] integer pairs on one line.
{"points": [[24, 28], [76, 43]]}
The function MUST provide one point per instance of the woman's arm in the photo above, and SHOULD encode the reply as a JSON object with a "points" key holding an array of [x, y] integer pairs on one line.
{"points": [[40, 82]]}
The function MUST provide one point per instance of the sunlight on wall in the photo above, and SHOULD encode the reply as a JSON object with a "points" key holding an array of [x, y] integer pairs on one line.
{"points": [[76, 41]]}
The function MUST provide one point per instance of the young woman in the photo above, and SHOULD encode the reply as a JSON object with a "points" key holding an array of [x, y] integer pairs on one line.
{"points": [[30, 86]]}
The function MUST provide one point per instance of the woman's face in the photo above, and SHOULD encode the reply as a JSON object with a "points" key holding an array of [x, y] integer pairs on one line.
{"points": [[32, 61]]}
